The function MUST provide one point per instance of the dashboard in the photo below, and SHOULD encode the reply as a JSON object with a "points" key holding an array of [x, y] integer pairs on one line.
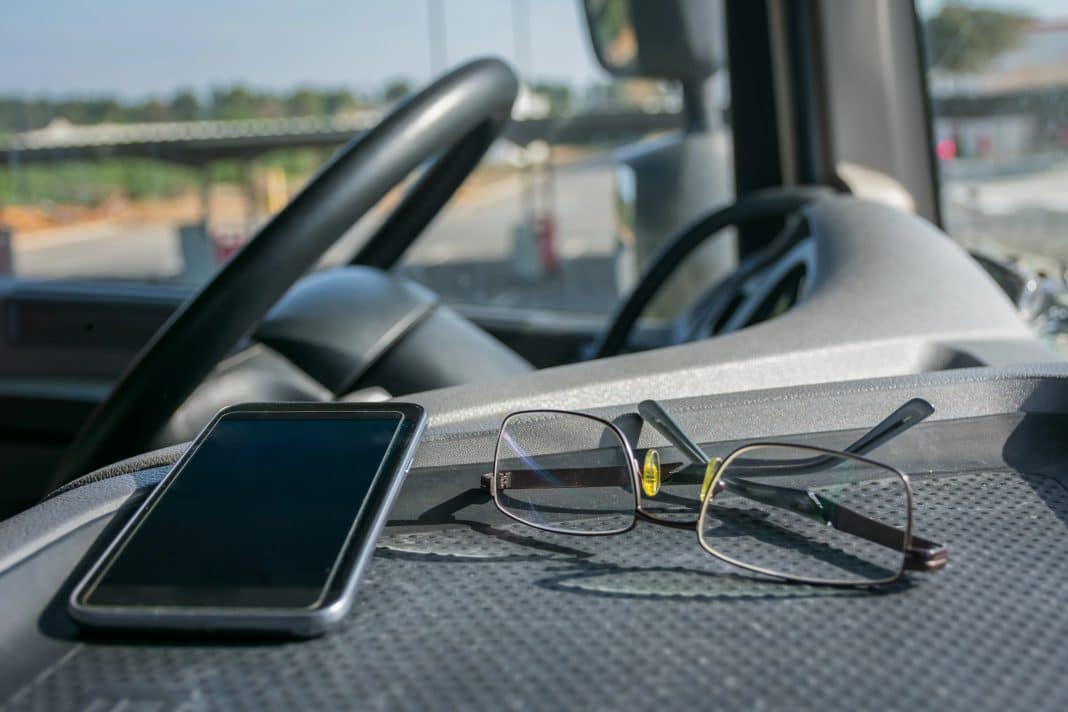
{"points": [[460, 608]]}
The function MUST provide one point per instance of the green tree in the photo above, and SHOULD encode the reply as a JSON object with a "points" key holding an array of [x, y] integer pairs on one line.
{"points": [[84, 111], [962, 38], [235, 102], [397, 89], [559, 95], [340, 100], [241, 102], [184, 106], [150, 110], [306, 102]]}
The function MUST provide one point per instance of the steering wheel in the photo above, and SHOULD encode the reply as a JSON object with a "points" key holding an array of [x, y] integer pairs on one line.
{"points": [[457, 117], [763, 205]]}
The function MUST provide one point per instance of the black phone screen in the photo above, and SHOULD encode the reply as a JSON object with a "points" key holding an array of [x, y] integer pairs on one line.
{"points": [[258, 517]]}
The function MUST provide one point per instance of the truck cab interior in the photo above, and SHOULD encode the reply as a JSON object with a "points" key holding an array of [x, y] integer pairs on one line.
{"points": [[784, 272]]}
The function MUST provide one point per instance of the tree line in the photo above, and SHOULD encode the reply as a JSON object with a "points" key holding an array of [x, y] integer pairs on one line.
{"points": [[20, 113], [962, 38]]}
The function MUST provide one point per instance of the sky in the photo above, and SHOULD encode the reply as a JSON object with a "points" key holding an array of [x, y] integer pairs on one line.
{"points": [[140, 48], [1048, 9]]}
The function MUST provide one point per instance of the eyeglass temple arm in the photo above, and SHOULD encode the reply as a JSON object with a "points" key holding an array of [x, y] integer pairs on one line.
{"points": [[654, 414], [921, 554], [909, 414]]}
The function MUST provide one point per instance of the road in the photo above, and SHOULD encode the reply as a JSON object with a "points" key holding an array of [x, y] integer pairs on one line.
{"points": [[1022, 217], [100, 250], [466, 254]]}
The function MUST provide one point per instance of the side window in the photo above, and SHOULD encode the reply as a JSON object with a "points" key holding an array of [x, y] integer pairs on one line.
{"points": [[998, 78]]}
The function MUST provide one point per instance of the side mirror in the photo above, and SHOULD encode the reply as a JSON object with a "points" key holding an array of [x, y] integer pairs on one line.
{"points": [[657, 39]]}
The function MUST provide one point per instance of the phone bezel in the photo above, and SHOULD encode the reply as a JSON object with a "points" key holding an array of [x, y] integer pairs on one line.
{"points": [[338, 592]]}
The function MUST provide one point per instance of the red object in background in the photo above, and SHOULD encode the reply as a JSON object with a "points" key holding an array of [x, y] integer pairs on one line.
{"points": [[946, 149], [545, 227], [226, 244]]}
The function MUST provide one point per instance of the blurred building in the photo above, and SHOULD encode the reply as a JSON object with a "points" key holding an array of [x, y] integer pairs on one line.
{"points": [[1015, 106]]}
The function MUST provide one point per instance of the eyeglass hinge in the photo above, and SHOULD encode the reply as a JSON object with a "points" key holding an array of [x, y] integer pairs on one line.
{"points": [[929, 559], [504, 481]]}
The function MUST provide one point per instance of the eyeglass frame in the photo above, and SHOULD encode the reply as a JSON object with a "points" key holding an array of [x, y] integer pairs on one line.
{"points": [[928, 556]]}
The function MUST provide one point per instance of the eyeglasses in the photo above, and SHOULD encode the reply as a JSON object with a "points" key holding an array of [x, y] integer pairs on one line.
{"points": [[795, 512]]}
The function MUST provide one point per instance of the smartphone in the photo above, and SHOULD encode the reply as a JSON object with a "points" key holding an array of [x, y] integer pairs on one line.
{"points": [[263, 526]]}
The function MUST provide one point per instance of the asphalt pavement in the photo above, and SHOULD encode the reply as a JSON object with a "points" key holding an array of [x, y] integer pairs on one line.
{"points": [[466, 254]]}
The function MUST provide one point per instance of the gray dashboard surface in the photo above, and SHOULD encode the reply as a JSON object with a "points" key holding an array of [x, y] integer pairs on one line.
{"points": [[461, 609], [889, 295], [507, 619]]}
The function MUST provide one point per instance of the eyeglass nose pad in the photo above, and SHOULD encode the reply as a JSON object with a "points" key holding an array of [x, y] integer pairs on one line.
{"points": [[651, 473]]}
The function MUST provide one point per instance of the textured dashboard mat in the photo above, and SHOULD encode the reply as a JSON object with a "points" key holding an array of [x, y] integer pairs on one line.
{"points": [[510, 618]]}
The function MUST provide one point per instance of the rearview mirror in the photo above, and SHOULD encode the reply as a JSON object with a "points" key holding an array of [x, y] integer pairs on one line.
{"points": [[657, 39]]}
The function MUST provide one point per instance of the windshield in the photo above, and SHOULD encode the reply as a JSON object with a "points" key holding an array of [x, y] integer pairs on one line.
{"points": [[146, 143]]}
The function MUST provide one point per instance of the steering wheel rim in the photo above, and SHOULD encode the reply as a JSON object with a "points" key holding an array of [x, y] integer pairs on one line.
{"points": [[468, 107], [766, 204]]}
